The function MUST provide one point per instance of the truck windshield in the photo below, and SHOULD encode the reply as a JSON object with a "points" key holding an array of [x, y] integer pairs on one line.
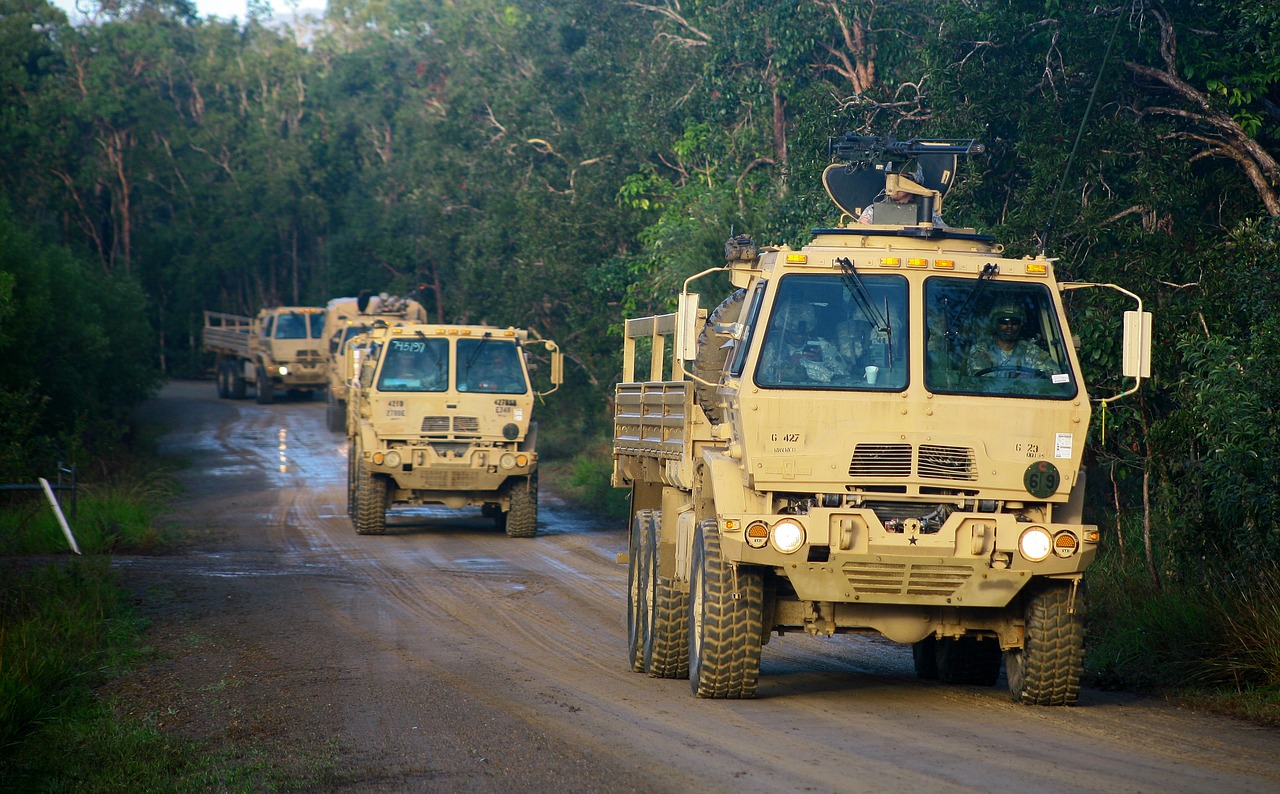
{"points": [[1007, 342], [291, 326], [317, 326], [829, 332], [490, 365], [415, 365]]}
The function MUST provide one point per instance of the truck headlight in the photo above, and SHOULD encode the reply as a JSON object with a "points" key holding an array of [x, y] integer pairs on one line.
{"points": [[508, 461], [788, 535], [393, 460], [1035, 544], [284, 370]]}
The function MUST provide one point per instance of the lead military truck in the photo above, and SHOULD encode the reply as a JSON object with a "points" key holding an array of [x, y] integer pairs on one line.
{"points": [[443, 414], [880, 432], [279, 348]]}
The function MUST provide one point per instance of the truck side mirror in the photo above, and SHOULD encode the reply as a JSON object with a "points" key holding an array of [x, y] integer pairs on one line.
{"points": [[686, 342], [1136, 356]]}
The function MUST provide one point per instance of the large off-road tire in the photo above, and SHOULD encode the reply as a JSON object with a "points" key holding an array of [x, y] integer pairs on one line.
{"points": [[371, 502], [667, 653], [639, 588], [924, 654], [223, 378], [968, 660], [237, 384], [266, 389], [726, 612], [335, 412], [353, 454], [1046, 671], [710, 354], [522, 518]]}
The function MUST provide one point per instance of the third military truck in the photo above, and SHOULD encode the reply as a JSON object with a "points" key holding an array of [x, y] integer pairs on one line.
{"points": [[880, 432], [443, 414]]}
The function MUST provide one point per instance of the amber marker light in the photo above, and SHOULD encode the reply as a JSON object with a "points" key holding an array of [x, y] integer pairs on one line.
{"points": [[890, 261], [917, 262], [1037, 269], [1065, 544], [757, 534], [945, 264], [797, 259]]}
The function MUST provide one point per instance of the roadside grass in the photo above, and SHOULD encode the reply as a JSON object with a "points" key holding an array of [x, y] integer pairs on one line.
{"points": [[66, 627], [1211, 646]]}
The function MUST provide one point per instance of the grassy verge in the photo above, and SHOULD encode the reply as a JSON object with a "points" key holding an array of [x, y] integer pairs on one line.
{"points": [[1210, 646], [66, 627]]}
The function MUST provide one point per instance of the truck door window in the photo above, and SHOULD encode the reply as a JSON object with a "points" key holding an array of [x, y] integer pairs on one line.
{"points": [[1007, 343], [317, 326], [741, 346], [291, 326], [418, 365], [822, 333], [491, 366]]}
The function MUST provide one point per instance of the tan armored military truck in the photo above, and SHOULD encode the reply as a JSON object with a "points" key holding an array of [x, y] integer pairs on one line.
{"points": [[880, 432], [278, 349], [443, 414], [346, 318]]}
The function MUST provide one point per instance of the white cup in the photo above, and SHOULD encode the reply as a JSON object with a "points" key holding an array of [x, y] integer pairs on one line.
{"points": [[871, 374]]}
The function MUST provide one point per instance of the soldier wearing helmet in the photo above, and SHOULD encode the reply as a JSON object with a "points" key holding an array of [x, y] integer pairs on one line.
{"points": [[1005, 353]]}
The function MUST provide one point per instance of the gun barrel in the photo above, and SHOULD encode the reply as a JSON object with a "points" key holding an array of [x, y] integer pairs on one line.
{"points": [[879, 149]]}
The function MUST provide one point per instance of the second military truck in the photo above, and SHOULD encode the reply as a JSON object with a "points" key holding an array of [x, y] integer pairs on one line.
{"points": [[880, 432], [280, 348], [443, 414]]}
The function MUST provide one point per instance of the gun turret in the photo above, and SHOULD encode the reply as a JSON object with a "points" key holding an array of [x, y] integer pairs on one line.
{"points": [[874, 168]]}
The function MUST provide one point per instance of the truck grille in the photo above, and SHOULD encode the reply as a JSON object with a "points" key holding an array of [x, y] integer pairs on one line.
{"points": [[435, 424], [897, 579], [881, 460], [894, 460], [946, 463], [442, 424]]}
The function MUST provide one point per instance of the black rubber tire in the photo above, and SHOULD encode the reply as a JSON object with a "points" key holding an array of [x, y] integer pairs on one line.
{"points": [[237, 383], [223, 378], [666, 650], [353, 454], [1046, 671], [710, 354], [925, 656], [726, 612], [968, 660], [335, 413], [371, 502], [266, 389], [522, 517], [639, 589]]}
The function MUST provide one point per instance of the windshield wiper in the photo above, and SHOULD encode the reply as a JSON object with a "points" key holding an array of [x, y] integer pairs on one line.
{"points": [[866, 304], [471, 359]]}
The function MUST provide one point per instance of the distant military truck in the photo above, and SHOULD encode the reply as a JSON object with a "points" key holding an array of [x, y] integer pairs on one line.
{"points": [[346, 318], [443, 414], [881, 432], [279, 349]]}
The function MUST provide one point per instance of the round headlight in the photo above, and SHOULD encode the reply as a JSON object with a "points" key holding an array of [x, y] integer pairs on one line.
{"points": [[1035, 544], [788, 535], [393, 459], [511, 431], [508, 461], [284, 370]]}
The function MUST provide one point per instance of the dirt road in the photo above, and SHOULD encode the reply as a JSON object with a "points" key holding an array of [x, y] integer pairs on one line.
{"points": [[445, 656]]}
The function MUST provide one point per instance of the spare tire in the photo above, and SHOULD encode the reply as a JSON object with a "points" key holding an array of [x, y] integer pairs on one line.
{"points": [[709, 358]]}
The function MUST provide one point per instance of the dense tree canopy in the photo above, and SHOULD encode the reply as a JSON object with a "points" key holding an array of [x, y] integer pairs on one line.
{"points": [[557, 164]]}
